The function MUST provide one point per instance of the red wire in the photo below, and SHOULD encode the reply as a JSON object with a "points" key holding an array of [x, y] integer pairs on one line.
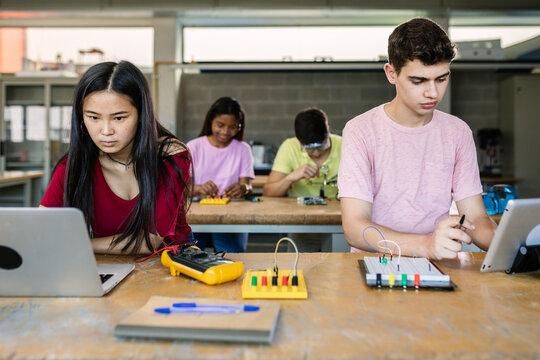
{"points": [[173, 248]]}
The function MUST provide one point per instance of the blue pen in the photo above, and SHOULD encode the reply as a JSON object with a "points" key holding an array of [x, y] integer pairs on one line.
{"points": [[194, 310], [203, 306]]}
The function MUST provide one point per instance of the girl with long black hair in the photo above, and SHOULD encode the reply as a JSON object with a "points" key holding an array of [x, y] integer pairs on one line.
{"points": [[125, 172], [223, 165]]}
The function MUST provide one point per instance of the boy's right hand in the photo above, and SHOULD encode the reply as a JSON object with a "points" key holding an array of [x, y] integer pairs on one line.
{"points": [[447, 238], [208, 188], [306, 171]]}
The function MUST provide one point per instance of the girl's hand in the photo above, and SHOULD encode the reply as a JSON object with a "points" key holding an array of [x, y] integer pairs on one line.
{"points": [[236, 190], [306, 171], [208, 188]]}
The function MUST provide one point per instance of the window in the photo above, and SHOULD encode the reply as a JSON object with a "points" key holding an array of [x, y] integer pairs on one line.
{"points": [[14, 120], [35, 123], [329, 43], [49, 45], [354, 43], [509, 35]]}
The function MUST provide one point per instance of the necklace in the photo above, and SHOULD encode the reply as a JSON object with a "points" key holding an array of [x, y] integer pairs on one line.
{"points": [[119, 162]]}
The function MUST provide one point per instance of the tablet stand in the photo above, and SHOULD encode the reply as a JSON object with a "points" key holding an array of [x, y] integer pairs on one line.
{"points": [[527, 259], [528, 256]]}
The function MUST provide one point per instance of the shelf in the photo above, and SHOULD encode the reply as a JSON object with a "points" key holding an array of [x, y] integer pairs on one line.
{"points": [[24, 103], [337, 66], [25, 94], [496, 65], [280, 66], [25, 165]]}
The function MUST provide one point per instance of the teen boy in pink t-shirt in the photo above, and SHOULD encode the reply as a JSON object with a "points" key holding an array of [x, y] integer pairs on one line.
{"points": [[404, 162]]}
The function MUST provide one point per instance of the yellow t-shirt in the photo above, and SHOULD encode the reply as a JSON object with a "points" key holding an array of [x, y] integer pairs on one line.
{"points": [[290, 157]]}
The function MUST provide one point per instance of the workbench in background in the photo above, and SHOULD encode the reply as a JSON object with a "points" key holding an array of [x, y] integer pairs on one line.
{"points": [[21, 188], [276, 215]]}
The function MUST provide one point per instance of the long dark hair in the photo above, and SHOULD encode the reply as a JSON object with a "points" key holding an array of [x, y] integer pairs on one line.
{"points": [[225, 106], [149, 153]]}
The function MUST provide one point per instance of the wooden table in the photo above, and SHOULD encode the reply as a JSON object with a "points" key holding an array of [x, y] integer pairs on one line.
{"points": [[489, 315], [31, 194], [501, 180], [259, 181], [271, 215]]}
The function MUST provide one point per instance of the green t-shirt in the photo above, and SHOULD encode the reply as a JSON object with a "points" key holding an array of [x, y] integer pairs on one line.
{"points": [[290, 157]]}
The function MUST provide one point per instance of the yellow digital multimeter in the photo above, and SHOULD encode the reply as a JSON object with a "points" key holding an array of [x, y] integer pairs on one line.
{"points": [[208, 268]]}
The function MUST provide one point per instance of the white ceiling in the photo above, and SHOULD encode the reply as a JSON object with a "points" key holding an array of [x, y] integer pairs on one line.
{"points": [[23, 13]]}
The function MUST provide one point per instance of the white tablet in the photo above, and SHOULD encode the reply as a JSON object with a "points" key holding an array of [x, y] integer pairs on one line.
{"points": [[519, 218]]}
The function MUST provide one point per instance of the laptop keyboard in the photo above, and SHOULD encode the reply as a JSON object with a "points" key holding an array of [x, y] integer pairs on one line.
{"points": [[105, 277]]}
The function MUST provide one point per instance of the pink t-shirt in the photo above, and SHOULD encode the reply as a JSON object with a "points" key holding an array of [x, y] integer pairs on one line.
{"points": [[410, 175], [224, 166]]}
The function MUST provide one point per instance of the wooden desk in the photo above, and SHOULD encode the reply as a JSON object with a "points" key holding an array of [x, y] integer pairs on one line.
{"points": [[31, 194], [259, 181], [491, 315], [501, 180], [496, 218], [271, 215]]}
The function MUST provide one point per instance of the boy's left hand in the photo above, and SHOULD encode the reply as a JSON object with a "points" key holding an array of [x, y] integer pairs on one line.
{"points": [[235, 191]]}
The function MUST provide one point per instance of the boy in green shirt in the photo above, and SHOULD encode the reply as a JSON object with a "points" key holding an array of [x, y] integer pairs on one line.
{"points": [[301, 161]]}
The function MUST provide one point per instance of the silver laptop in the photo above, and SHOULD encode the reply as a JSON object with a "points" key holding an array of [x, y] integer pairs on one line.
{"points": [[520, 217], [47, 252]]}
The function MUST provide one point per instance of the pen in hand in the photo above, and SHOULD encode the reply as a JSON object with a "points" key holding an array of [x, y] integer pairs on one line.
{"points": [[461, 221], [460, 226]]}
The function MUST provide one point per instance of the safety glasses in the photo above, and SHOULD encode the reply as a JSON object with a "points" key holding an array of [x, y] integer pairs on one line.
{"points": [[321, 146]]}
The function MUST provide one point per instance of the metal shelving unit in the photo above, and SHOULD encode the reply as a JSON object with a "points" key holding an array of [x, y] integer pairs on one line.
{"points": [[43, 102]]}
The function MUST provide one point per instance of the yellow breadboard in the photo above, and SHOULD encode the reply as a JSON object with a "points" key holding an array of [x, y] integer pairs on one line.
{"points": [[211, 201], [287, 291]]}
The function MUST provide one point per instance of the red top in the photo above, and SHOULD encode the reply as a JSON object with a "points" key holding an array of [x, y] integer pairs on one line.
{"points": [[111, 213]]}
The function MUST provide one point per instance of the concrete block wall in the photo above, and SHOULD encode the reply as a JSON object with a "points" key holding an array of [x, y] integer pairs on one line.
{"points": [[475, 98], [272, 99]]}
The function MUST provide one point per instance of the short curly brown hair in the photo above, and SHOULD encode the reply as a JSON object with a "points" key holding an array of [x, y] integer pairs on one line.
{"points": [[421, 39]]}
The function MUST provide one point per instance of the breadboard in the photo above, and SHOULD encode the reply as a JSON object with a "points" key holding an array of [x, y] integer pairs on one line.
{"points": [[404, 272], [281, 291], [215, 201]]}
